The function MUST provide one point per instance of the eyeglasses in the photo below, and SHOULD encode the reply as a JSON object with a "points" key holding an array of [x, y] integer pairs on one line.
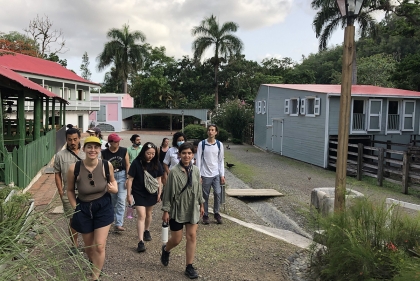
{"points": [[91, 181]]}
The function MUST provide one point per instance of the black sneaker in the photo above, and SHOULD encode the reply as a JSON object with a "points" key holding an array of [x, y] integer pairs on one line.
{"points": [[147, 236], [190, 272], [206, 219], [218, 218], [164, 258], [141, 247]]}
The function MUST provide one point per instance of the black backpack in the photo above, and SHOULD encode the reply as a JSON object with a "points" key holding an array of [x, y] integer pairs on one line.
{"points": [[104, 164]]}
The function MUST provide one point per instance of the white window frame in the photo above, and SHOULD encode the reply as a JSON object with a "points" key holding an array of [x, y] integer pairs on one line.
{"points": [[264, 107], [297, 107], [287, 106], [258, 107], [408, 115], [302, 108], [316, 105], [351, 116], [386, 119], [69, 94], [379, 115]]}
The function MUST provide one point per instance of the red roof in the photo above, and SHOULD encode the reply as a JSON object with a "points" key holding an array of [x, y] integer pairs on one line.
{"points": [[33, 65], [27, 83], [363, 90]]}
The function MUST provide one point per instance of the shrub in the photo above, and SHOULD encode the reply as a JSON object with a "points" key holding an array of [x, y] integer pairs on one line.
{"points": [[222, 136], [237, 141], [195, 132], [364, 242]]}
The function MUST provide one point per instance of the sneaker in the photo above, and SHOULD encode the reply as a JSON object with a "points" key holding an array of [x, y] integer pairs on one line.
{"points": [[147, 236], [218, 218], [164, 258], [141, 247], [190, 272], [206, 219]]}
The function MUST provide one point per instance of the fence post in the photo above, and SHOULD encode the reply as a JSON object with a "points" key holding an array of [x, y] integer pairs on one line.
{"points": [[406, 167], [388, 156], [359, 161], [380, 174]]}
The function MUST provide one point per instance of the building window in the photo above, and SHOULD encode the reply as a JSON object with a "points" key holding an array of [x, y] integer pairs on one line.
{"points": [[79, 95], [393, 116], [294, 107], [358, 117], [259, 107], [264, 107], [408, 115], [286, 106], [302, 106], [375, 113]]}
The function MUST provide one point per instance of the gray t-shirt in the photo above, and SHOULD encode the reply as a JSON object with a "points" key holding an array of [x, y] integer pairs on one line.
{"points": [[63, 160]]}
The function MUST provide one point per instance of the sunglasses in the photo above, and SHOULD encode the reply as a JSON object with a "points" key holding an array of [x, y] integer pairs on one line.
{"points": [[91, 181]]}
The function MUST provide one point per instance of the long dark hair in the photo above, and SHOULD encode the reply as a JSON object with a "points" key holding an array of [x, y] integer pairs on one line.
{"points": [[142, 156], [163, 141], [176, 137]]}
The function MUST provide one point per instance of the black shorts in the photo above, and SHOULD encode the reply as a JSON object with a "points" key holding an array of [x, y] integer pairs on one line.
{"points": [[92, 215], [176, 226]]}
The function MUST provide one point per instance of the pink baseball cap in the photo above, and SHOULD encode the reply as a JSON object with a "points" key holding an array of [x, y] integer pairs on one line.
{"points": [[114, 138]]}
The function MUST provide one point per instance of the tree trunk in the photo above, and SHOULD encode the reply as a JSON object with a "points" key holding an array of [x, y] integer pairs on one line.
{"points": [[125, 86], [354, 68], [216, 88]]}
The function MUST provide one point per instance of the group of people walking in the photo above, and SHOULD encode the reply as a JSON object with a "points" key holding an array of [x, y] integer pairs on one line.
{"points": [[95, 184]]}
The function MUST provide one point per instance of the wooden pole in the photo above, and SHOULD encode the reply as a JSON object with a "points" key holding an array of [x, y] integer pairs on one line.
{"points": [[47, 113], [380, 174], [2, 151], [359, 161], [37, 117], [406, 167], [344, 120], [21, 120]]}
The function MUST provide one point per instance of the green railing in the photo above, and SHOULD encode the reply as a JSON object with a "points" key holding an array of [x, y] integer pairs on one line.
{"points": [[23, 163]]}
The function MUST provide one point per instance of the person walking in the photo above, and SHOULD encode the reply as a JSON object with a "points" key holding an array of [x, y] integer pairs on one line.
{"points": [[172, 157], [134, 150], [147, 160], [163, 149], [62, 161], [183, 205], [96, 132], [210, 161], [118, 157], [93, 211]]}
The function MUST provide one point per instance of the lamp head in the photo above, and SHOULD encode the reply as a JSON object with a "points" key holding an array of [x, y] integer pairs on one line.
{"points": [[350, 8]]}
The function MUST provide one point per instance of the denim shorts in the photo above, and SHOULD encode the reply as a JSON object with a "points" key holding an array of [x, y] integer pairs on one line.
{"points": [[89, 216]]}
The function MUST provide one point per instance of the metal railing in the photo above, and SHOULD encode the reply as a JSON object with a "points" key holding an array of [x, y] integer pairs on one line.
{"points": [[393, 122], [358, 122]]}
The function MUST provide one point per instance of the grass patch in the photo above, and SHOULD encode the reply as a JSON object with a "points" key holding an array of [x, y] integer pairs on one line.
{"points": [[243, 171]]}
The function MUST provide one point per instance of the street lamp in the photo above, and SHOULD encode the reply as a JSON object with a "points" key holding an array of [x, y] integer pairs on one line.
{"points": [[349, 9], [182, 112]]}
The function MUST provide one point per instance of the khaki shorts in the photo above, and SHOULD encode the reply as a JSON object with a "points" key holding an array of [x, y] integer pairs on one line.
{"points": [[68, 210]]}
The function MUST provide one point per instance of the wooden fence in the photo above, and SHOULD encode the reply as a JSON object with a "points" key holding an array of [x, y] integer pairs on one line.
{"points": [[397, 166], [23, 163]]}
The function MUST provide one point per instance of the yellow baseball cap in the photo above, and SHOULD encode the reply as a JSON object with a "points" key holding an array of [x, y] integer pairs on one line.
{"points": [[92, 140]]}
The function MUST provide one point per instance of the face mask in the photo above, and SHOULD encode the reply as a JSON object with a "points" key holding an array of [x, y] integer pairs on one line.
{"points": [[179, 143], [136, 144]]}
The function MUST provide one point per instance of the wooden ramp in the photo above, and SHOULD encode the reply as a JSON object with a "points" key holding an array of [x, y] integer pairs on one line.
{"points": [[249, 192]]}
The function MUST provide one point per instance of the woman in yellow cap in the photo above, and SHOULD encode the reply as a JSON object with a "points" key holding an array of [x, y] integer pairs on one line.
{"points": [[94, 213]]}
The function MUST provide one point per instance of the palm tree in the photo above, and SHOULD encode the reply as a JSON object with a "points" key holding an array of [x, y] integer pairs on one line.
{"points": [[122, 50], [209, 33], [328, 18]]}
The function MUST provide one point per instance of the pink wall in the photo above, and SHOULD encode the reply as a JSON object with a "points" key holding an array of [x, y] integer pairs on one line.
{"points": [[92, 116], [112, 112], [127, 101]]}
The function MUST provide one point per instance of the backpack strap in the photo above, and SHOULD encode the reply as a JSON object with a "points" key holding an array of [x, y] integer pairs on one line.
{"points": [[106, 168], [77, 170], [203, 145]]}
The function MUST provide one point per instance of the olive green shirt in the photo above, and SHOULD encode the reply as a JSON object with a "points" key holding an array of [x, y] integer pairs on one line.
{"points": [[132, 153], [184, 207], [62, 161]]}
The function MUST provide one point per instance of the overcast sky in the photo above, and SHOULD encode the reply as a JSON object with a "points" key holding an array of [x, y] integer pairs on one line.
{"points": [[268, 28]]}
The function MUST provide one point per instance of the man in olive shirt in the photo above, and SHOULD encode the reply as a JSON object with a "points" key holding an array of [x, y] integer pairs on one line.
{"points": [[63, 160]]}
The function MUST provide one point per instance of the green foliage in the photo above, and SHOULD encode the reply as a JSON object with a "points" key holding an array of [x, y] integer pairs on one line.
{"points": [[236, 141], [376, 70], [84, 67], [222, 136], [195, 132], [234, 115], [364, 242]]}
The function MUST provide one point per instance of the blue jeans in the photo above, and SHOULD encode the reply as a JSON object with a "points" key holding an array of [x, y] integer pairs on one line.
{"points": [[207, 183], [118, 199]]}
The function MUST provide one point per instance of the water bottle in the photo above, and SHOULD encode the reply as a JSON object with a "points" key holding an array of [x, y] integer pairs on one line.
{"points": [[130, 211], [165, 230]]}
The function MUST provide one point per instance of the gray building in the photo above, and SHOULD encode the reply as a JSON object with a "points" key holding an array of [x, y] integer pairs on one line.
{"points": [[298, 121]]}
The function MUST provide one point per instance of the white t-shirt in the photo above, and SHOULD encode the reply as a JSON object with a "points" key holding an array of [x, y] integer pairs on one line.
{"points": [[212, 163], [172, 158]]}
